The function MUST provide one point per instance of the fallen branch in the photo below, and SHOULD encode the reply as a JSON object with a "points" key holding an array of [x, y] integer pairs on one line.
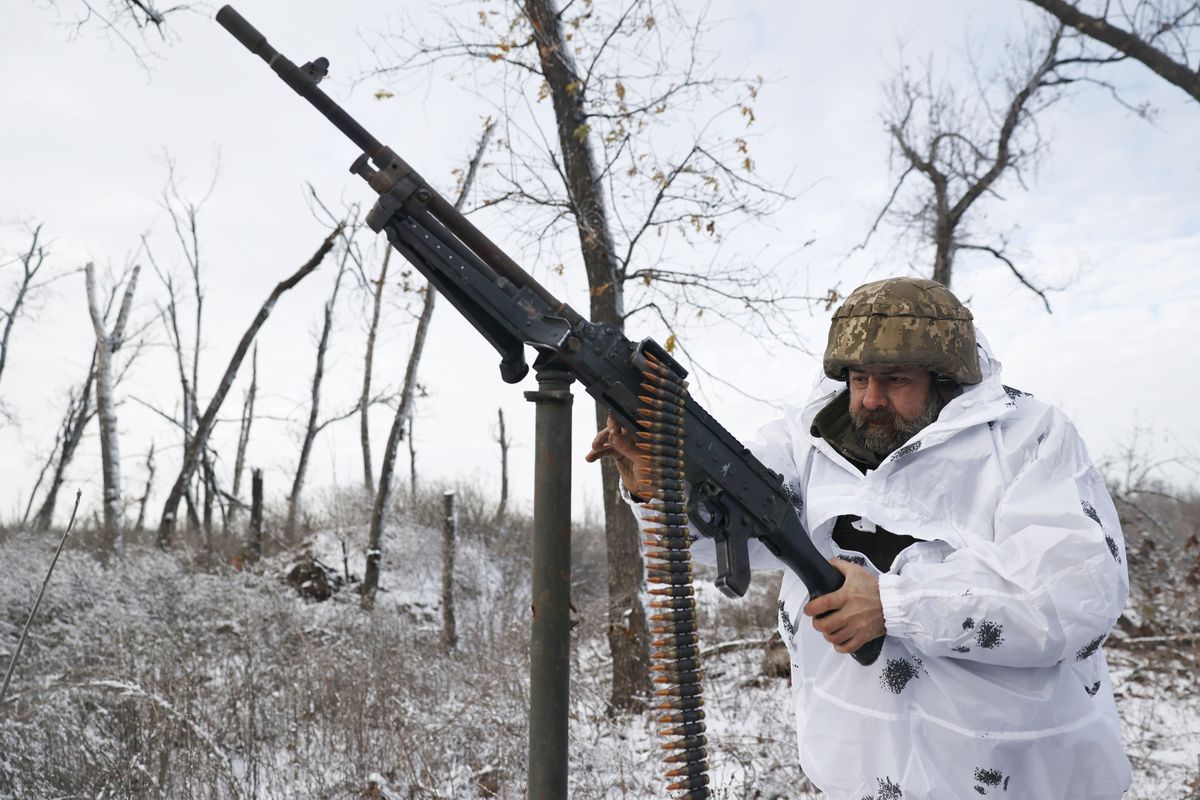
{"points": [[737, 645], [1179, 638]]}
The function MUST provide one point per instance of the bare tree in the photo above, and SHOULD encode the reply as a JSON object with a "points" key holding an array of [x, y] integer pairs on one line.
{"points": [[310, 433], [75, 419], [412, 463], [192, 454], [387, 469], [184, 214], [505, 442], [598, 167], [1160, 34], [31, 262], [111, 14], [239, 464], [962, 147], [140, 26], [142, 501], [106, 346], [364, 429], [37, 484], [79, 413], [628, 634], [403, 414], [170, 318]]}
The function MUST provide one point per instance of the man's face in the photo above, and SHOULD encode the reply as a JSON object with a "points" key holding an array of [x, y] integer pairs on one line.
{"points": [[889, 404]]}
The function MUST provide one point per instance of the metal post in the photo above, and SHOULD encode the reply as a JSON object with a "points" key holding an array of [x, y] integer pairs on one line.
{"points": [[550, 651]]}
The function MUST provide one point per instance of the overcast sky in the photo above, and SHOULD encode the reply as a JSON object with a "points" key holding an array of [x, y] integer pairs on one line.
{"points": [[1113, 212]]}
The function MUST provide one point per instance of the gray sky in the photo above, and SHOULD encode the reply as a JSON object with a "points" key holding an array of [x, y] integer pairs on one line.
{"points": [[1112, 210]]}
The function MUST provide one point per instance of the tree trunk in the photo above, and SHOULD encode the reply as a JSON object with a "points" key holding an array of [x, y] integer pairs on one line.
{"points": [[404, 413], [209, 482], [193, 517], [383, 495], [206, 475], [79, 414], [628, 636], [141, 518], [364, 430], [171, 319], [449, 531], [502, 509], [412, 464], [239, 464], [110, 455], [310, 433], [166, 526], [49, 462], [943, 252]]}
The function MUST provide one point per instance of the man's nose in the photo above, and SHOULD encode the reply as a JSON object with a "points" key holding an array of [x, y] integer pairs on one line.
{"points": [[875, 397]]}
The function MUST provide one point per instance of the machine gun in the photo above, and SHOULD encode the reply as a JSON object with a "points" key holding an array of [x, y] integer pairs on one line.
{"points": [[733, 497]]}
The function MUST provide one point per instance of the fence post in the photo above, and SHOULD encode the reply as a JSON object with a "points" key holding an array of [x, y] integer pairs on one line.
{"points": [[256, 513], [449, 529]]}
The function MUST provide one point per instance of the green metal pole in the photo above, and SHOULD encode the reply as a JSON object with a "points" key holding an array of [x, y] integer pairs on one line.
{"points": [[550, 651]]}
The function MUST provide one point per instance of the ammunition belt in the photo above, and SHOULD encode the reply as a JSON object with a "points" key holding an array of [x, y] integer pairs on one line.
{"points": [[675, 656]]}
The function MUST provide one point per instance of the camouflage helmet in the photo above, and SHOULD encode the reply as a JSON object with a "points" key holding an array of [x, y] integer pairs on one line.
{"points": [[908, 322]]}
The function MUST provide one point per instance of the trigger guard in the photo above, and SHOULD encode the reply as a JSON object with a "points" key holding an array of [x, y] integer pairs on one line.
{"points": [[710, 517], [705, 513]]}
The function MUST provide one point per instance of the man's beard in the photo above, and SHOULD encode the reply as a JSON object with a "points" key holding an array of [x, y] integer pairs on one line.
{"points": [[882, 440]]}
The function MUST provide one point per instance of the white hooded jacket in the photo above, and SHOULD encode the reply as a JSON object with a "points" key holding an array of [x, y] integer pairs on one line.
{"points": [[992, 681]]}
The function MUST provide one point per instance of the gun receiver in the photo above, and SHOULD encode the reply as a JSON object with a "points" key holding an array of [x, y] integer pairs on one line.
{"points": [[734, 497]]}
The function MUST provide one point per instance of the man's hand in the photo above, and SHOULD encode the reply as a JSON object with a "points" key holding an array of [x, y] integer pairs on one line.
{"points": [[854, 613], [616, 443]]}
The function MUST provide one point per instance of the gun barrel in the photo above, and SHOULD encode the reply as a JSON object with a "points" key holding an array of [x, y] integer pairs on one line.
{"points": [[293, 76], [385, 158]]}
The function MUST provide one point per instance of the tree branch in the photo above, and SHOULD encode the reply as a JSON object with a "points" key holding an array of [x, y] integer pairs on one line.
{"points": [[1127, 42]]}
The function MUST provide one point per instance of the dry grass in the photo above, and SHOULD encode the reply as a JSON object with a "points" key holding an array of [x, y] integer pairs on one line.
{"points": [[178, 676]]}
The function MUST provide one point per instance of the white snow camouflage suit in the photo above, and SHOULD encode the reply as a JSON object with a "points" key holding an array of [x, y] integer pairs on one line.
{"points": [[992, 682]]}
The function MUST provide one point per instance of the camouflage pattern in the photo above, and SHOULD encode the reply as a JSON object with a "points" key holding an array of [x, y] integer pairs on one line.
{"points": [[909, 322]]}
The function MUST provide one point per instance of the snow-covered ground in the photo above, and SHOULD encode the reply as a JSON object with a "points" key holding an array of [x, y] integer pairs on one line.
{"points": [[159, 679]]}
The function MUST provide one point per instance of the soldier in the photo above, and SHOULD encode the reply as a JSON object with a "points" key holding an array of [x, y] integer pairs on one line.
{"points": [[974, 532]]}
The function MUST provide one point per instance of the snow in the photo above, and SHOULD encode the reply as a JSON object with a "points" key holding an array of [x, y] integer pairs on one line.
{"points": [[161, 678]]}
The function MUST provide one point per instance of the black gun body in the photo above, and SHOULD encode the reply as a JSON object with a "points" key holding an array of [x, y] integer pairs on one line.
{"points": [[734, 497]]}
